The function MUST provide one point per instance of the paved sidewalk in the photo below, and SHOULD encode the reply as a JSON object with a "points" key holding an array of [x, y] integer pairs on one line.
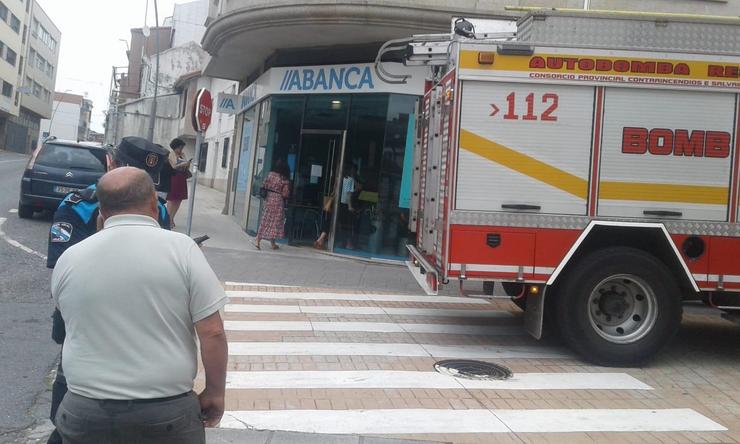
{"points": [[234, 258]]}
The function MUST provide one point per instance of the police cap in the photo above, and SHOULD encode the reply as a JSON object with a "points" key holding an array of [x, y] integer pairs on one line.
{"points": [[141, 153]]}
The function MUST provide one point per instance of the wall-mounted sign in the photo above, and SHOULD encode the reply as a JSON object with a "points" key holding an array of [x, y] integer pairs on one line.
{"points": [[227, 103], [346, 79]]}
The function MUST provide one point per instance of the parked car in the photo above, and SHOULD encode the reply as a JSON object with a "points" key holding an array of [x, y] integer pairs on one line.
{"points": [[56, 169]]}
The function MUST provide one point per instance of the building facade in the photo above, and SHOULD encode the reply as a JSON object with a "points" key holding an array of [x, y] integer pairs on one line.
{"points": [[308, 96], [35, 71], [70, 118]]}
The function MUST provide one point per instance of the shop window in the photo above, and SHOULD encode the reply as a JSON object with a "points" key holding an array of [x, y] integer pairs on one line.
{"points": [[283, 134], [225, 154], [203, 157], [326, 112]]}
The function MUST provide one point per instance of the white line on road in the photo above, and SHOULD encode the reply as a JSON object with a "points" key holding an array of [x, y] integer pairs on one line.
{"points": [[356, 297], [427, 421], [257, 284], [391, 379], [14, 160], [338, 309], [397, 349], [13, 210], [17, 244], [373, 327]]}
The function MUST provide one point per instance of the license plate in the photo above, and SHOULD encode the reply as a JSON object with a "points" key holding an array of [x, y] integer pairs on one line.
{"points": [[64, 190]]}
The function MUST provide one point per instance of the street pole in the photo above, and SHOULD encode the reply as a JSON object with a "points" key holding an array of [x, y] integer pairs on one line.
{"points": [[191, 198], [153, 117]]}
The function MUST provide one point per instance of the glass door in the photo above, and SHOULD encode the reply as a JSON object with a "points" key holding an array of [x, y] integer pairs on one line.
{"points": [[313, 185]]}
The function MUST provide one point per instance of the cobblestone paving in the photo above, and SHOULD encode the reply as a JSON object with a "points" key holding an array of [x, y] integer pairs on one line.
{"points": [[306, 360]]}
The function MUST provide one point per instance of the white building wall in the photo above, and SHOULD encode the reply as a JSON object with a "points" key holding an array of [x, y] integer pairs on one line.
{"points": [[65, 123], [188, 21], [222, 128]]}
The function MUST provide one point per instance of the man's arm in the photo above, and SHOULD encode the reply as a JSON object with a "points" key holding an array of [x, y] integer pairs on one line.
{"points": [[214, 351]]}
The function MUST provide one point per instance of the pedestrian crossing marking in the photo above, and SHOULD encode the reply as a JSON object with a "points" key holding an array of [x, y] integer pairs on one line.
{"points": [[428, 421], [344, 310], [386, 349], [252, 294], [374, 327], [390, 379]]}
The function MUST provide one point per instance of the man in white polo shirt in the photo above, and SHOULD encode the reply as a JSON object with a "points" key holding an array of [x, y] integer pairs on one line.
{"points": [[133, 297]]}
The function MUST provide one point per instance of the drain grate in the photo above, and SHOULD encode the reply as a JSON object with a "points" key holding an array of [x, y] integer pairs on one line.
{"points": [[469, 369]]}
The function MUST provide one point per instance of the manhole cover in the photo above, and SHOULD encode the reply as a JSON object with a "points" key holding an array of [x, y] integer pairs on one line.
{"points": [[468, 369]]}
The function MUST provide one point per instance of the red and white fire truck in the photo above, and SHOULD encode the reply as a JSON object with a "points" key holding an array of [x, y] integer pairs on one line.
{"points": [[596, 179]]}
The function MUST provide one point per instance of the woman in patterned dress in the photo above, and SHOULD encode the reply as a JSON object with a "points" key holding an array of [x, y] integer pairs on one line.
{"points": [[272, 225]]}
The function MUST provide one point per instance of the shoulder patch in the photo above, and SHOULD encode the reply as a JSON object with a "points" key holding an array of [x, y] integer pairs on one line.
{"points": [[61, 232], [74, 198]]}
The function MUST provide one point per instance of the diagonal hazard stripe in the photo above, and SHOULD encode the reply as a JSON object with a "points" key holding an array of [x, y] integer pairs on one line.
{"points": [[664, 192], [529, 166], [569, 183]]}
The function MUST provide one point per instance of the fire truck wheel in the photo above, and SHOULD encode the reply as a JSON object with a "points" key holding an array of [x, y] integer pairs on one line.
{"points": [[619, 306]]}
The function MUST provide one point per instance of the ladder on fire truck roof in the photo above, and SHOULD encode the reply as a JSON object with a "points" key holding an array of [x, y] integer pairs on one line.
{"points": [[664, 32]]}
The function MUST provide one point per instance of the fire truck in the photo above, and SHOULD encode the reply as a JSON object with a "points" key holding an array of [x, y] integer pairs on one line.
{"points": [[589, 163]]}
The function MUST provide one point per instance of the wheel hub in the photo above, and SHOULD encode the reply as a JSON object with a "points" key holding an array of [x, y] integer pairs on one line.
{"points": [[622, 308]]}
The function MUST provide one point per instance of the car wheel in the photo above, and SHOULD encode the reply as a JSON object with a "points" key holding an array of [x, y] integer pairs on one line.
{"points": [[25, 211], [619, 306]]}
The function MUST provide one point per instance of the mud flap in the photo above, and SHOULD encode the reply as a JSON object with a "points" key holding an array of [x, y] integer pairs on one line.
{"points": [[535, 313]]}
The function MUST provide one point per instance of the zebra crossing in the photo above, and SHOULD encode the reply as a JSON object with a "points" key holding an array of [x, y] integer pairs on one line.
{"points": [[322, 361]]}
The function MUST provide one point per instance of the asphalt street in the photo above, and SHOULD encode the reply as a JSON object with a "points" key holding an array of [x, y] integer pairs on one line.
{"points": [[28, 353]]}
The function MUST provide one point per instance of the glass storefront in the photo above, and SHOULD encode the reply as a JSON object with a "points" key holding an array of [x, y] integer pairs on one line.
{"points": [[351, 147]]}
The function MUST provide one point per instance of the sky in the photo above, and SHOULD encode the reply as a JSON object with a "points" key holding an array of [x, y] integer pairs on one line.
{"points": [[90, 44]]}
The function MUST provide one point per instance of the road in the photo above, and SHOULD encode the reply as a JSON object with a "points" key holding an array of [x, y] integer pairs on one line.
{"points": [[340, 349], [28, 354]]}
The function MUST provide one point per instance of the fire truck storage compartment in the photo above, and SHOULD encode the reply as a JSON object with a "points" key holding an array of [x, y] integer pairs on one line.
{"points": [[524, 147], [483, 251], [666, 153]]}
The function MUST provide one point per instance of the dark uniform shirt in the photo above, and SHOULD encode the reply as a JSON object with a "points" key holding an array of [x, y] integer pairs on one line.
{"points": [[74, 221]]}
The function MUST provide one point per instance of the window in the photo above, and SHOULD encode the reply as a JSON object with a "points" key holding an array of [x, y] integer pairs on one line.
{"points": [[20, 65], [52, 44], [225, 153], [7, 89], [3, 12], [31, 57], [71, 158], [25, 31], [15, 23], [10, 56], [40, 63], [47, 95], [36, 89], [203, 157]]}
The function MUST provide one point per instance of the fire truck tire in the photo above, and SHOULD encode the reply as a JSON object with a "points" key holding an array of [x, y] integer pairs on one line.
{"points": [[618, 306]]}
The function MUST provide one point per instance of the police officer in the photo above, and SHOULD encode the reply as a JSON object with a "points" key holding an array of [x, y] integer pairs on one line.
{"points": [[77, 218]]}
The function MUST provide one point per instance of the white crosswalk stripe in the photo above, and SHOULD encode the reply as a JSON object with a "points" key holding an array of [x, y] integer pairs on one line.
{"points": [[373, 327], [344, 310], [280, 295], [386, 349], [408, 421], [340, 349], [409, 379]]}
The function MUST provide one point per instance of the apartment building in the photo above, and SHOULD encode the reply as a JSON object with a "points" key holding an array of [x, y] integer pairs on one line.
{"points": [[70, 118], [29, 48], [12, 16]]}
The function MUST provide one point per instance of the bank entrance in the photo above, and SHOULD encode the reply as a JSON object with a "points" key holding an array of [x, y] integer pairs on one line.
{"points": [[350, 161]]}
